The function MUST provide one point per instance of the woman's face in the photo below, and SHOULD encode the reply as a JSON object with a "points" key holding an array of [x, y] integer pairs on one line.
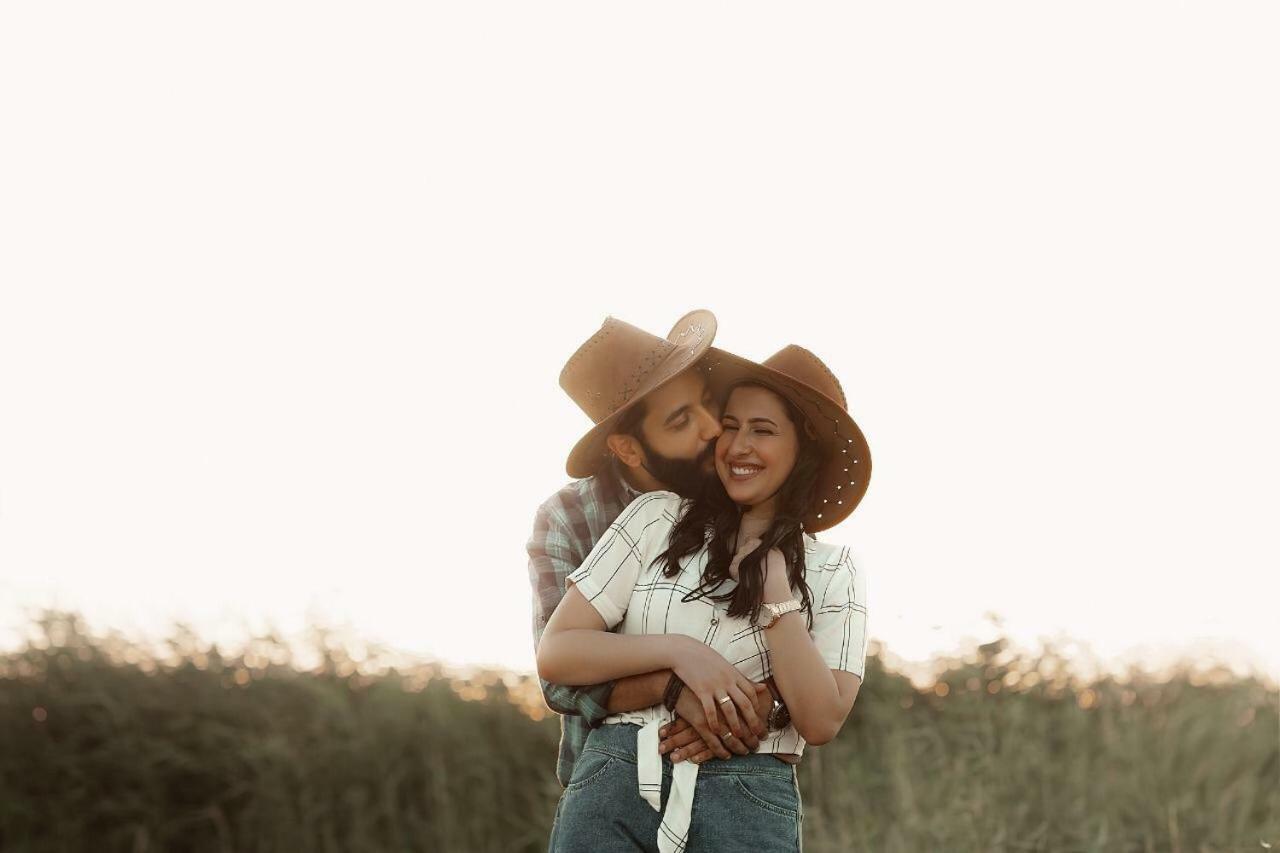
{"points": [[757, 446]]}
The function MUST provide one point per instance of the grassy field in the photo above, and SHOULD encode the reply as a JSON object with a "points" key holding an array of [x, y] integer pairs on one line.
{"points": [[106, 746]]}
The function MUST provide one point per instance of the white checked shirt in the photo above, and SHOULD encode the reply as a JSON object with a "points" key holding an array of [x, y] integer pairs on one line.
{"points": [[628, 590]]}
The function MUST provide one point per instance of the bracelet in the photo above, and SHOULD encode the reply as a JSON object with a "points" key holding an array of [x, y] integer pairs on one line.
{"points": [[672, 694]]}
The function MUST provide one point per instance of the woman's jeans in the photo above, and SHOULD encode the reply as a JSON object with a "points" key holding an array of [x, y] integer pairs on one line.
{"points": [[748, 802]]}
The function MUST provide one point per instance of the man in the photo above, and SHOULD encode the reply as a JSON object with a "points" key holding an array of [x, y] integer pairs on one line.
{"points": [[655, 429]]}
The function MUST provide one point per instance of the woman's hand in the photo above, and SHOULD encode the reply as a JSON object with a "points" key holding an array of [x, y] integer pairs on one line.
{"points": [[691, 736], [743, 550], [711, 678], [777, 586]]}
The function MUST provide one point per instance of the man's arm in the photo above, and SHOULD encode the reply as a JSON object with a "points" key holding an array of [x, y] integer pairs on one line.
{"points": [[553, 555], [691, 736], [638, 691]]}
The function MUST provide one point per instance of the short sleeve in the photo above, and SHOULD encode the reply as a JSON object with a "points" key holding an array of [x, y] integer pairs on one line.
{"points": [[608, 575], [840, 616]]}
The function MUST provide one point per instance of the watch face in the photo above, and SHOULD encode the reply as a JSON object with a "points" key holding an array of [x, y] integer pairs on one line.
{"points": [[779, 717]]}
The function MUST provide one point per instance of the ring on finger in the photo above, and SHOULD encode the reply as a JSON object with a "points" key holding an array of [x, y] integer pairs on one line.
{"points": [[724, 699]]}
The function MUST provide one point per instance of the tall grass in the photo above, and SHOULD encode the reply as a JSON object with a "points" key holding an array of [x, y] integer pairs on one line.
{"points": [[107, 746]]}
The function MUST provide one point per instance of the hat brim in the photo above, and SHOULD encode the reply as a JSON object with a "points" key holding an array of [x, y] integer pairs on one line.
{"points": [[846, 470]]}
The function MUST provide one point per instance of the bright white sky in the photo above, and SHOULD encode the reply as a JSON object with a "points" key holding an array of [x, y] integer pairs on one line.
{"points": [[285, 290]]}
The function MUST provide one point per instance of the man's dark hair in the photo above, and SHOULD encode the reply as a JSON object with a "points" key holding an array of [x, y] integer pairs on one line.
{"points": [[629, 423]]}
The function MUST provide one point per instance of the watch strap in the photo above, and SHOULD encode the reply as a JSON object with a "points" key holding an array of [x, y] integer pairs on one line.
{"points": [[777, 611]]}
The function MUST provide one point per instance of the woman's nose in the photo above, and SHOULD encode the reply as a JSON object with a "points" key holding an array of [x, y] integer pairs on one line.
{"points": [[741, 444]]}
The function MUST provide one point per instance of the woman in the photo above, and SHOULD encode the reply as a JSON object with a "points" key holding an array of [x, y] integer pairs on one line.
{"points": [[724, 590]]}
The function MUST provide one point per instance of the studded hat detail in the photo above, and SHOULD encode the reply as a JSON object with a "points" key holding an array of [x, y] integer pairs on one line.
{"points": [[617, 367]]}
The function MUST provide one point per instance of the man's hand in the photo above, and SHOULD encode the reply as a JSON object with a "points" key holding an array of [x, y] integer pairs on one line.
{"points": [[722, 690], [692, 737]]}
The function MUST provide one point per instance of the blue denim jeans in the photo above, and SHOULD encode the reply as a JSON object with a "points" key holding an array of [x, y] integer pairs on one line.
{"points": [[749, 802]]}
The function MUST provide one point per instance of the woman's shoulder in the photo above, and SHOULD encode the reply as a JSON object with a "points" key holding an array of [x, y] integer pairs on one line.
{"points": [[827, 556], [651, 506], [831, 571]]}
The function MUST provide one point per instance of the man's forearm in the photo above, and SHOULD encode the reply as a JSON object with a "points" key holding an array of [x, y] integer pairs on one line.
{"points": [[638, 691], [589, 702]]}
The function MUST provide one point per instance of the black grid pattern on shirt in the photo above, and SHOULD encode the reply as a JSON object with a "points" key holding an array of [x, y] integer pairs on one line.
{"points": [[833, 604], [620, 535]]}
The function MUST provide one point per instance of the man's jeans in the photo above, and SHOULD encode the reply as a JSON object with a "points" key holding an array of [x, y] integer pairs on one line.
{"points": [[749, 802]]}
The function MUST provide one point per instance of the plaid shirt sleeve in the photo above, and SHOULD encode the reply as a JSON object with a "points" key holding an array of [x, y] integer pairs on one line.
{"points": [[553, 555]]}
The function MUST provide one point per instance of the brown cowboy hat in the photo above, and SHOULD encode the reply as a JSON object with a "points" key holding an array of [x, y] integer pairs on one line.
{"points": [[806, 381], [617, 367]]}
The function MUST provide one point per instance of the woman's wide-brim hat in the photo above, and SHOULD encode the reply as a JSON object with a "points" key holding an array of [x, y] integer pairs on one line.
{"points": [[617, 367], [806, 381]]}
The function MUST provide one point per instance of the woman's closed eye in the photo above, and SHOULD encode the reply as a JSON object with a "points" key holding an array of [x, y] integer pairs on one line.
{"points": [[731, 426]]}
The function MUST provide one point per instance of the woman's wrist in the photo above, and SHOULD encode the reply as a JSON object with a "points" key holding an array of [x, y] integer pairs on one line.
{"points": [[672, 649]]}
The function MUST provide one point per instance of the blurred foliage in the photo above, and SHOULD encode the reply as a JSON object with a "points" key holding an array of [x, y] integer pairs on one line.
{"points": [[107, 745]]}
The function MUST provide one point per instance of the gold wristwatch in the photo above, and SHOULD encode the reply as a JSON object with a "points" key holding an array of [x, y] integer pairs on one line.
{"points": [[779, 716], [777, 611]]}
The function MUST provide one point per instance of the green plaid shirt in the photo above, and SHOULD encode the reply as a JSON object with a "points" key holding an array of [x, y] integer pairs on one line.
{"points": [[566, 528]]}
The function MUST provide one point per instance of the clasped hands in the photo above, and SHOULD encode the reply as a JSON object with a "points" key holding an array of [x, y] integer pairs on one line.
{"points": [[708, 724], [695, 737]]}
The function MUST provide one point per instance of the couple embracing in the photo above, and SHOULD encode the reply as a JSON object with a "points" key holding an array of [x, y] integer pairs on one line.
{"points": [[690, 630]]}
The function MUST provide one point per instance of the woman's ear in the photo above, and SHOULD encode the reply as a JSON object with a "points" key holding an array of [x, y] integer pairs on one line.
{"points": [[809, 430]]}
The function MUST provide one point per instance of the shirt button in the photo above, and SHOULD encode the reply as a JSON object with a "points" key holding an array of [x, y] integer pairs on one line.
{"points": [[715, 621]]}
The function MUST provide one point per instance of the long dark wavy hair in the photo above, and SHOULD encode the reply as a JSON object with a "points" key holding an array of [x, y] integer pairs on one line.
{"points": [[711, 519]]}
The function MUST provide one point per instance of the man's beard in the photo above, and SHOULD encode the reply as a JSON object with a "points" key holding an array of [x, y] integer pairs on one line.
{"points": [[686, 477]]}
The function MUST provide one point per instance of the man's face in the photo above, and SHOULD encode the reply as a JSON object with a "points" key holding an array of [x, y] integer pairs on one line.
{"points": [[678, 433]]}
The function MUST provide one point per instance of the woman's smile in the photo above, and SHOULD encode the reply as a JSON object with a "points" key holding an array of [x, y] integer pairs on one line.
{"points": [[757, 446]]}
